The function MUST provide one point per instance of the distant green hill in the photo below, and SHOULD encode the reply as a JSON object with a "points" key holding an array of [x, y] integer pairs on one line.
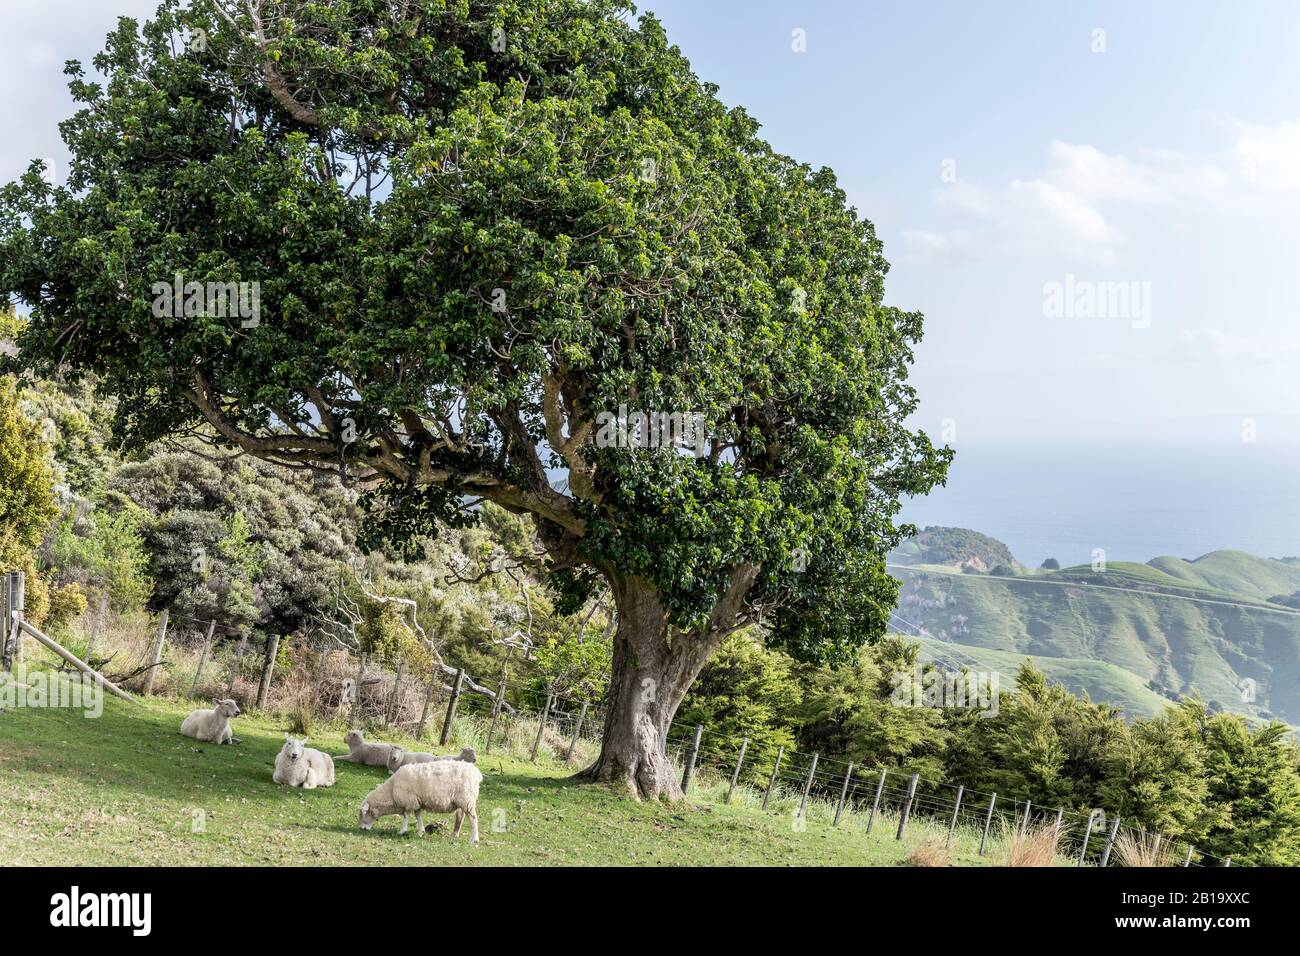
{"points": [[1176, 627], [1099, 680]]}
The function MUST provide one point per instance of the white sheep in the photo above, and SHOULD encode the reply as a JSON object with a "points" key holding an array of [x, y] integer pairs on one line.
{"points": [[371, 755], [297, 765], [212, 725], [439, 787], [401, 757]]}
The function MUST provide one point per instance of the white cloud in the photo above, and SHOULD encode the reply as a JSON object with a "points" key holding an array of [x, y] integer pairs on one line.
{"points": [[1071, 204]]}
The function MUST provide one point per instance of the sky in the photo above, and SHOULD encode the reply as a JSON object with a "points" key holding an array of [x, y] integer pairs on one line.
{"points": [[1096, 205]]}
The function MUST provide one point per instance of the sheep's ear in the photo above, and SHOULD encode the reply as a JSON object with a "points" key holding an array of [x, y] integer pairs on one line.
{"points": [[286, 736], [365, 807]]}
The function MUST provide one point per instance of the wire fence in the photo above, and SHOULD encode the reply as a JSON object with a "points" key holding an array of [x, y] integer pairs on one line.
{"points": [[810, 786]]}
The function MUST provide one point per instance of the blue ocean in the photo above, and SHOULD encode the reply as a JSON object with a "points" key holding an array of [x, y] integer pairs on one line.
{"points": [[1135, 501]]}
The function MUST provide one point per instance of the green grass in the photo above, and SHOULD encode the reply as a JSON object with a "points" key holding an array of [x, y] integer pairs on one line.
{"points": [[126, 788]]}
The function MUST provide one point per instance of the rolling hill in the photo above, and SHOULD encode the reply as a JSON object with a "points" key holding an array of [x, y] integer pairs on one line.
{"points": [[1165, 629]]}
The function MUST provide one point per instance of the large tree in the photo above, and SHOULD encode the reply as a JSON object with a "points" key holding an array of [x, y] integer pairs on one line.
{"points": [[476, 228]]}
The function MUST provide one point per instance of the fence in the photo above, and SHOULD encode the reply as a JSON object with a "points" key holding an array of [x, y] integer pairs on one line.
{"points": [[810, 785]]}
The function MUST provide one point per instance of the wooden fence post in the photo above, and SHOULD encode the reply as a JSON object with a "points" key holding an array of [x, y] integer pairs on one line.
{"points": [[875, 804], [11, 648], [1087, 835], [807, 786], [451, 707], [268, 669], [541, 726], [496, 712], [434, 678], [4, 621], [956, 809], [1024, 822], [735, 774], [1227, 861], [1060, 813], [689, 770], [577, 729], [988, 819], [844, 792], [155, 656], [1110, 842], [393, 712], [907, 805], [18, 605], [203, 658], [1191, 848], [94, 627], [238, 670], [780, 751], [360, 682]]}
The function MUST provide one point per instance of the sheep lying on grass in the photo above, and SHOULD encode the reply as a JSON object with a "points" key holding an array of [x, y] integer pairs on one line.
{"points": [[212, 725], [299, 766], [439, 787], [401, 757], [371, 755]]}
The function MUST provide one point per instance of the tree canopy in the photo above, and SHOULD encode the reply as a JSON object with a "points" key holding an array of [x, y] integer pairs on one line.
{"points": [[472, 231]]}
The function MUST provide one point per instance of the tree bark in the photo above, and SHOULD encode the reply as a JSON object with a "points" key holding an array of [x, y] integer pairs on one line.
{"points": [[652, 668]]}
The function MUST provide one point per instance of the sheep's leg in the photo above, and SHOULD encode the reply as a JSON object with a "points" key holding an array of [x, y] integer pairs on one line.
{"points": [[310, 782], [460, 818], [406, 824], [473, 825], [419, 822]]}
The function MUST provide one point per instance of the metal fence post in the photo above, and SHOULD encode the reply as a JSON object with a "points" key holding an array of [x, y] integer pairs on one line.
{"points": [[155, 656]]}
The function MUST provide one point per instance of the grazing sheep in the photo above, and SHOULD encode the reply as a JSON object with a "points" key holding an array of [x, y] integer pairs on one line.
{"points": [[371, 755], [300, 766], [401, 757], [212, 725], [439, 787]]}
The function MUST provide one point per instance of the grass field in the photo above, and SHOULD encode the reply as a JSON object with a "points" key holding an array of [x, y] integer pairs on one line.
{"points": [[126, 788]]}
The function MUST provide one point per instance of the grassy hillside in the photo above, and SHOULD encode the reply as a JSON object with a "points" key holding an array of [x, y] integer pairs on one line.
{"points": [[1099, 680], [126, 788], [1176, 644]]}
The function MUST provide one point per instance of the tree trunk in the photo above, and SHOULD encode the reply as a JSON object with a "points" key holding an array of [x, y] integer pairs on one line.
{"points": [[648, 679]]}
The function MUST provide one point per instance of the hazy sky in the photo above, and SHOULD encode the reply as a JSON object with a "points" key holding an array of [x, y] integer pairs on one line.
{"points": [[999, 148]]}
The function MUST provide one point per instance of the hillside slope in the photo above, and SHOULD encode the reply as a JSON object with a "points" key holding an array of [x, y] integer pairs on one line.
{"points": [[1177, 627], [126, 789]]}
